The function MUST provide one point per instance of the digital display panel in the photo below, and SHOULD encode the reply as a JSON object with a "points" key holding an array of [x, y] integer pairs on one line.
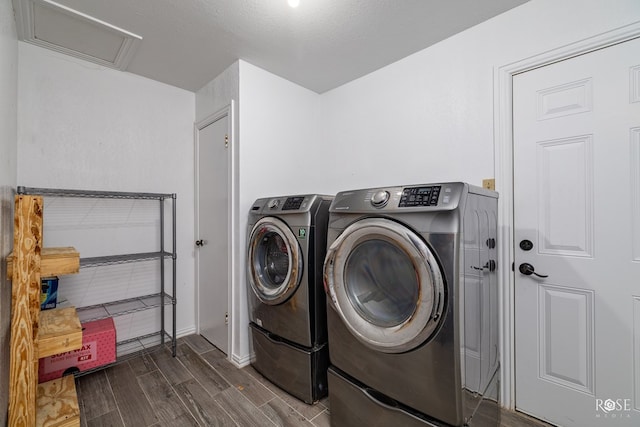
{"points": [[419, 196], [292, 203]]}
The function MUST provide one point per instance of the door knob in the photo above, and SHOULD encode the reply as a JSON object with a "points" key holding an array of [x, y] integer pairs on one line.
{"points": [[199, 242], [527, 269], [490, 265], [526, 245]]}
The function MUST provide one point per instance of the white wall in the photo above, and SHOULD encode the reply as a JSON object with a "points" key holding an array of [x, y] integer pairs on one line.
{"points": [[84, 126], [280, 141], [278, 152], [429, 117], [218, 93], [8, 95], [8, 175]]}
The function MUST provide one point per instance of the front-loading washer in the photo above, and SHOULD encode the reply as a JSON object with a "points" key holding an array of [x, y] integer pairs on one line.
{"points": [[286, 246], [413, 306]]}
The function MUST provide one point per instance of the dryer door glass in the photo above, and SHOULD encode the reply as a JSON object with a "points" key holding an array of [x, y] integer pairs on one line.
{"points": [[275, 261], [381, 282], [386, 285]]}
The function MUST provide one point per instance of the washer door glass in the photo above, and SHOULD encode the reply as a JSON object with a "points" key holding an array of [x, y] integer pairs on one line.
{"points": [[386, 285], [275, 261]]}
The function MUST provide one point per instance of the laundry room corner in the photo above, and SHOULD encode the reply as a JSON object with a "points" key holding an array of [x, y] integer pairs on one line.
{"points": [[276, 133], [278, 141], [325, 213], [87, 127]]}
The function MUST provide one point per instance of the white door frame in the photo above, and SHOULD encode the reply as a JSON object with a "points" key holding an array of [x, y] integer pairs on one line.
{"points": [[503, 160], [232, 197]]}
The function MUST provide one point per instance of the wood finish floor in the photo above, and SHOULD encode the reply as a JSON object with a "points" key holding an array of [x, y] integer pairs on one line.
{"points": [[199, 387]]}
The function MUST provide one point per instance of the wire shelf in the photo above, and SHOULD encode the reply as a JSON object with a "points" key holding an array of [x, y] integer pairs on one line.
{"points": [[122, 307], [123, 259], [137, 304], [54, 192]]}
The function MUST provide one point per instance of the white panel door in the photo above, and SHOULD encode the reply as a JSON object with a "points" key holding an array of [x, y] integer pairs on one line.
{"points": [[213, 250], [577, 225]]}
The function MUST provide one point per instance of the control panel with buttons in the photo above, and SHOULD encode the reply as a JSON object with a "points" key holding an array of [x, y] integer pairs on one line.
{"points": [[292, 203], [419, 196]]}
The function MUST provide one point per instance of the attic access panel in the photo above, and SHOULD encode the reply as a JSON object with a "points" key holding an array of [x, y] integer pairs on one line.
{"points": [[57, 27]]}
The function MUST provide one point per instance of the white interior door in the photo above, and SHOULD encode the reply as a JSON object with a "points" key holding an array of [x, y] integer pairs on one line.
{"points": [[577, 224], [213, 230]]}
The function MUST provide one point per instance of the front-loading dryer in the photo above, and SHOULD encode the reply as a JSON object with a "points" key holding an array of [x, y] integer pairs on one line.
{"points": [[413, 306], [287, 303]]}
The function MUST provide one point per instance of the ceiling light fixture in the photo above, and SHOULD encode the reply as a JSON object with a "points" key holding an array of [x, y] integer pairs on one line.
{"points": [[293, 3]]}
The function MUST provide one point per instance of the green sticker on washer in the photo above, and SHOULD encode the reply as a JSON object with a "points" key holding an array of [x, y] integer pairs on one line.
{"points": [[302, 233]]}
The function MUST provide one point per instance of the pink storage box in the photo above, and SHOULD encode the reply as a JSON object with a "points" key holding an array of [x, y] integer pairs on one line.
{"points": [[98, 348]]}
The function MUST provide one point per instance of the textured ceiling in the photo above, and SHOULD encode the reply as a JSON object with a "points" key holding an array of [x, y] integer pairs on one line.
{"points": [[320, 45]]}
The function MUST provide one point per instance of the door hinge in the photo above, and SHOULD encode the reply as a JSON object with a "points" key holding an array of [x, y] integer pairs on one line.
{"points": [[513, 266], [226, 318], [226, 141]]}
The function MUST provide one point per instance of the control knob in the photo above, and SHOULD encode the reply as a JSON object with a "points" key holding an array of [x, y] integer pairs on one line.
{"points": [[273, 204], [380, 198]]}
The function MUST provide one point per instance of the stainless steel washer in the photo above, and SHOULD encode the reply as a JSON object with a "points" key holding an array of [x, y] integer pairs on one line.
{"points": [[287, 303], [413, 308]]}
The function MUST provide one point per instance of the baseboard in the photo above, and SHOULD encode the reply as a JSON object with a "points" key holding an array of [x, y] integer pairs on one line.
{"points": [[186, 331], [241, 361]]}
